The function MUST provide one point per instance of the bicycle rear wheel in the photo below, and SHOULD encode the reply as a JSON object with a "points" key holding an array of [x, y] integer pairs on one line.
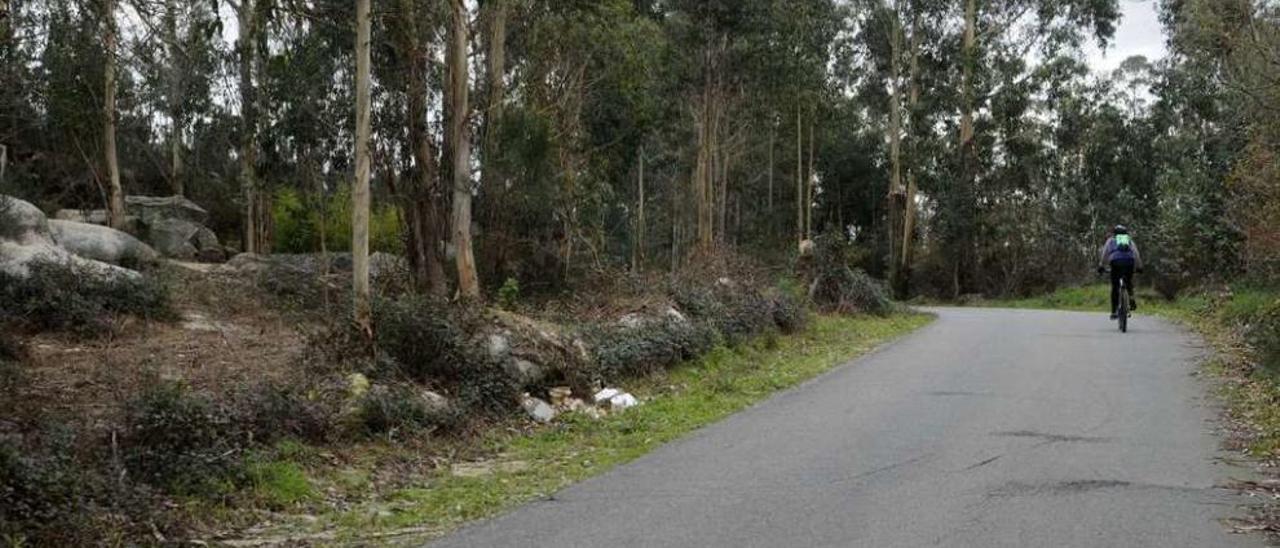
{"points": [[1124, 309]]}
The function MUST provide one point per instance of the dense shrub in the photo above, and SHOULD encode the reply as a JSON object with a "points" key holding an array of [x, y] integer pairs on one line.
{"points": [[61, 296], [298, 223], [423, 339], [789, 314], [622, 352], [850, 291], [181, 441], [390, 410], [836, 284], [272, 412], [1264, 335], [48, 498]]}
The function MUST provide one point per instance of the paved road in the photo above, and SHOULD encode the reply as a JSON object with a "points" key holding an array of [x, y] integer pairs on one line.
{"points": [[988, 428]]}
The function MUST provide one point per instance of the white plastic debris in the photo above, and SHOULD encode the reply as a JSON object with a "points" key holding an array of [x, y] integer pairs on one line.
{"points": [[623, 401], [605, 395]]}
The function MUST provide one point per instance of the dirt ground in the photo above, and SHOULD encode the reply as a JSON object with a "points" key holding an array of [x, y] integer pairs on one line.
{"points": [[225, 337]]}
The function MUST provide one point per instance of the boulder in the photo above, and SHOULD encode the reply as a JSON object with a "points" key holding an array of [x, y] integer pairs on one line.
{"points": [[151, 209], [26, 239], [101, 243], [22, 223], [174, 238], [537, 409], [96, 217]]}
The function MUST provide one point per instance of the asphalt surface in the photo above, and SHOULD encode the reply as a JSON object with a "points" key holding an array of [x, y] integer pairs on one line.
{"points": [[988, 428]]}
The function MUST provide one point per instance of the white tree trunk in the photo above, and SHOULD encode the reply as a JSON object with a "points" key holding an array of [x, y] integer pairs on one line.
{"points": [[115, 205], [360, 194], [468, 280]]}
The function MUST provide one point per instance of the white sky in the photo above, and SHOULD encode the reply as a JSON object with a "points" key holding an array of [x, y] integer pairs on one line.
{"points": [[1139, 33]]}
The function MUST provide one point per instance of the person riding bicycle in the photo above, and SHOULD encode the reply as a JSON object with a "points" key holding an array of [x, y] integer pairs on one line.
{"points": [[1120, 253]]}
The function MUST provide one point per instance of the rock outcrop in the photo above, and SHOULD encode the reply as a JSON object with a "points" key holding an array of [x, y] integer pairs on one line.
{"points": [[174, 226], [101, 243], [26, 239]]}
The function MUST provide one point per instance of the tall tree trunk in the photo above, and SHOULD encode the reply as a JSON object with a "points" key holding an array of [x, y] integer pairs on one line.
{"points": [[769, 200], [247, 49], [895, 205], [637, 250], [468, 280], [360, 194], [810, 181], [115, 203], [422, 200], [913, 104], [800, 235], [174, 69], [968, 151], [492, 185]]}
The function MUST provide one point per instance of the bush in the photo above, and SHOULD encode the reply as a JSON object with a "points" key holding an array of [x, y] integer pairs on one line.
{"points": [[850, 291], [837, 285], [622, 352], [273, 412], [34, 491], [423, 339], [397, 409], [180, 441], [789, 314], [62, 296], [509, 294], [1264, 334], [298, 222]]}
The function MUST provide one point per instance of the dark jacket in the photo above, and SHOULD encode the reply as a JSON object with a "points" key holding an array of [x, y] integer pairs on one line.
{"points": [[1112, 253]]}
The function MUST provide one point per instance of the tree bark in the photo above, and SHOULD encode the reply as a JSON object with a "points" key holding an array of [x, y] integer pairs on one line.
{"points": [[895, 205], [360, 193], [809, 183], [637, 251], [175, 98], [115, 205], [968, 151], [247, 50], [913, 103], [468, 280], [422, 202], [799, 177]]}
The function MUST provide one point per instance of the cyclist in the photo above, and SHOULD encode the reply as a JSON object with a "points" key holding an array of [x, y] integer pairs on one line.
{"points": [[1120, 253]]}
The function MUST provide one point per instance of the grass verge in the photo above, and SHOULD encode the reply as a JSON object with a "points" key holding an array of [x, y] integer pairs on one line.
{"points": [[523, 466]]}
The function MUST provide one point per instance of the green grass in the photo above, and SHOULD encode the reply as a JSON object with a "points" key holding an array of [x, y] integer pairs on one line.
{"points": [[1096, 298], [279, 483], [528, 466]]}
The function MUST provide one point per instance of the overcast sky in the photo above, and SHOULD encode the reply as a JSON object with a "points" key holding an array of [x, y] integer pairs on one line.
{"points": [[1139, 33]]}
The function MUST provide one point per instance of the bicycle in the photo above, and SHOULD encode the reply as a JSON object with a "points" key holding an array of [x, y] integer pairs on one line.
{"points": [[1122, 314]]}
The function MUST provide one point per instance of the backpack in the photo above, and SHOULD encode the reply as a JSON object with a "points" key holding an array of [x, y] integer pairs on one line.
{"points": [[1124, 243]]}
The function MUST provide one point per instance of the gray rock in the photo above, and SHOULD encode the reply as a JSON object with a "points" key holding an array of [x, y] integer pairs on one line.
{"points": [[538, 409], [150, 209], [23, 223], [675, 316], [435, 403], [26, 239], [96, 217], [523, 371], [633, 320], [174, 237], [101, 243], [498, 345]]}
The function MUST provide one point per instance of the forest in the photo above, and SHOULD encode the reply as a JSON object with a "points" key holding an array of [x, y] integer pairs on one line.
{"points": [[314, 257], [540, 141]]}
